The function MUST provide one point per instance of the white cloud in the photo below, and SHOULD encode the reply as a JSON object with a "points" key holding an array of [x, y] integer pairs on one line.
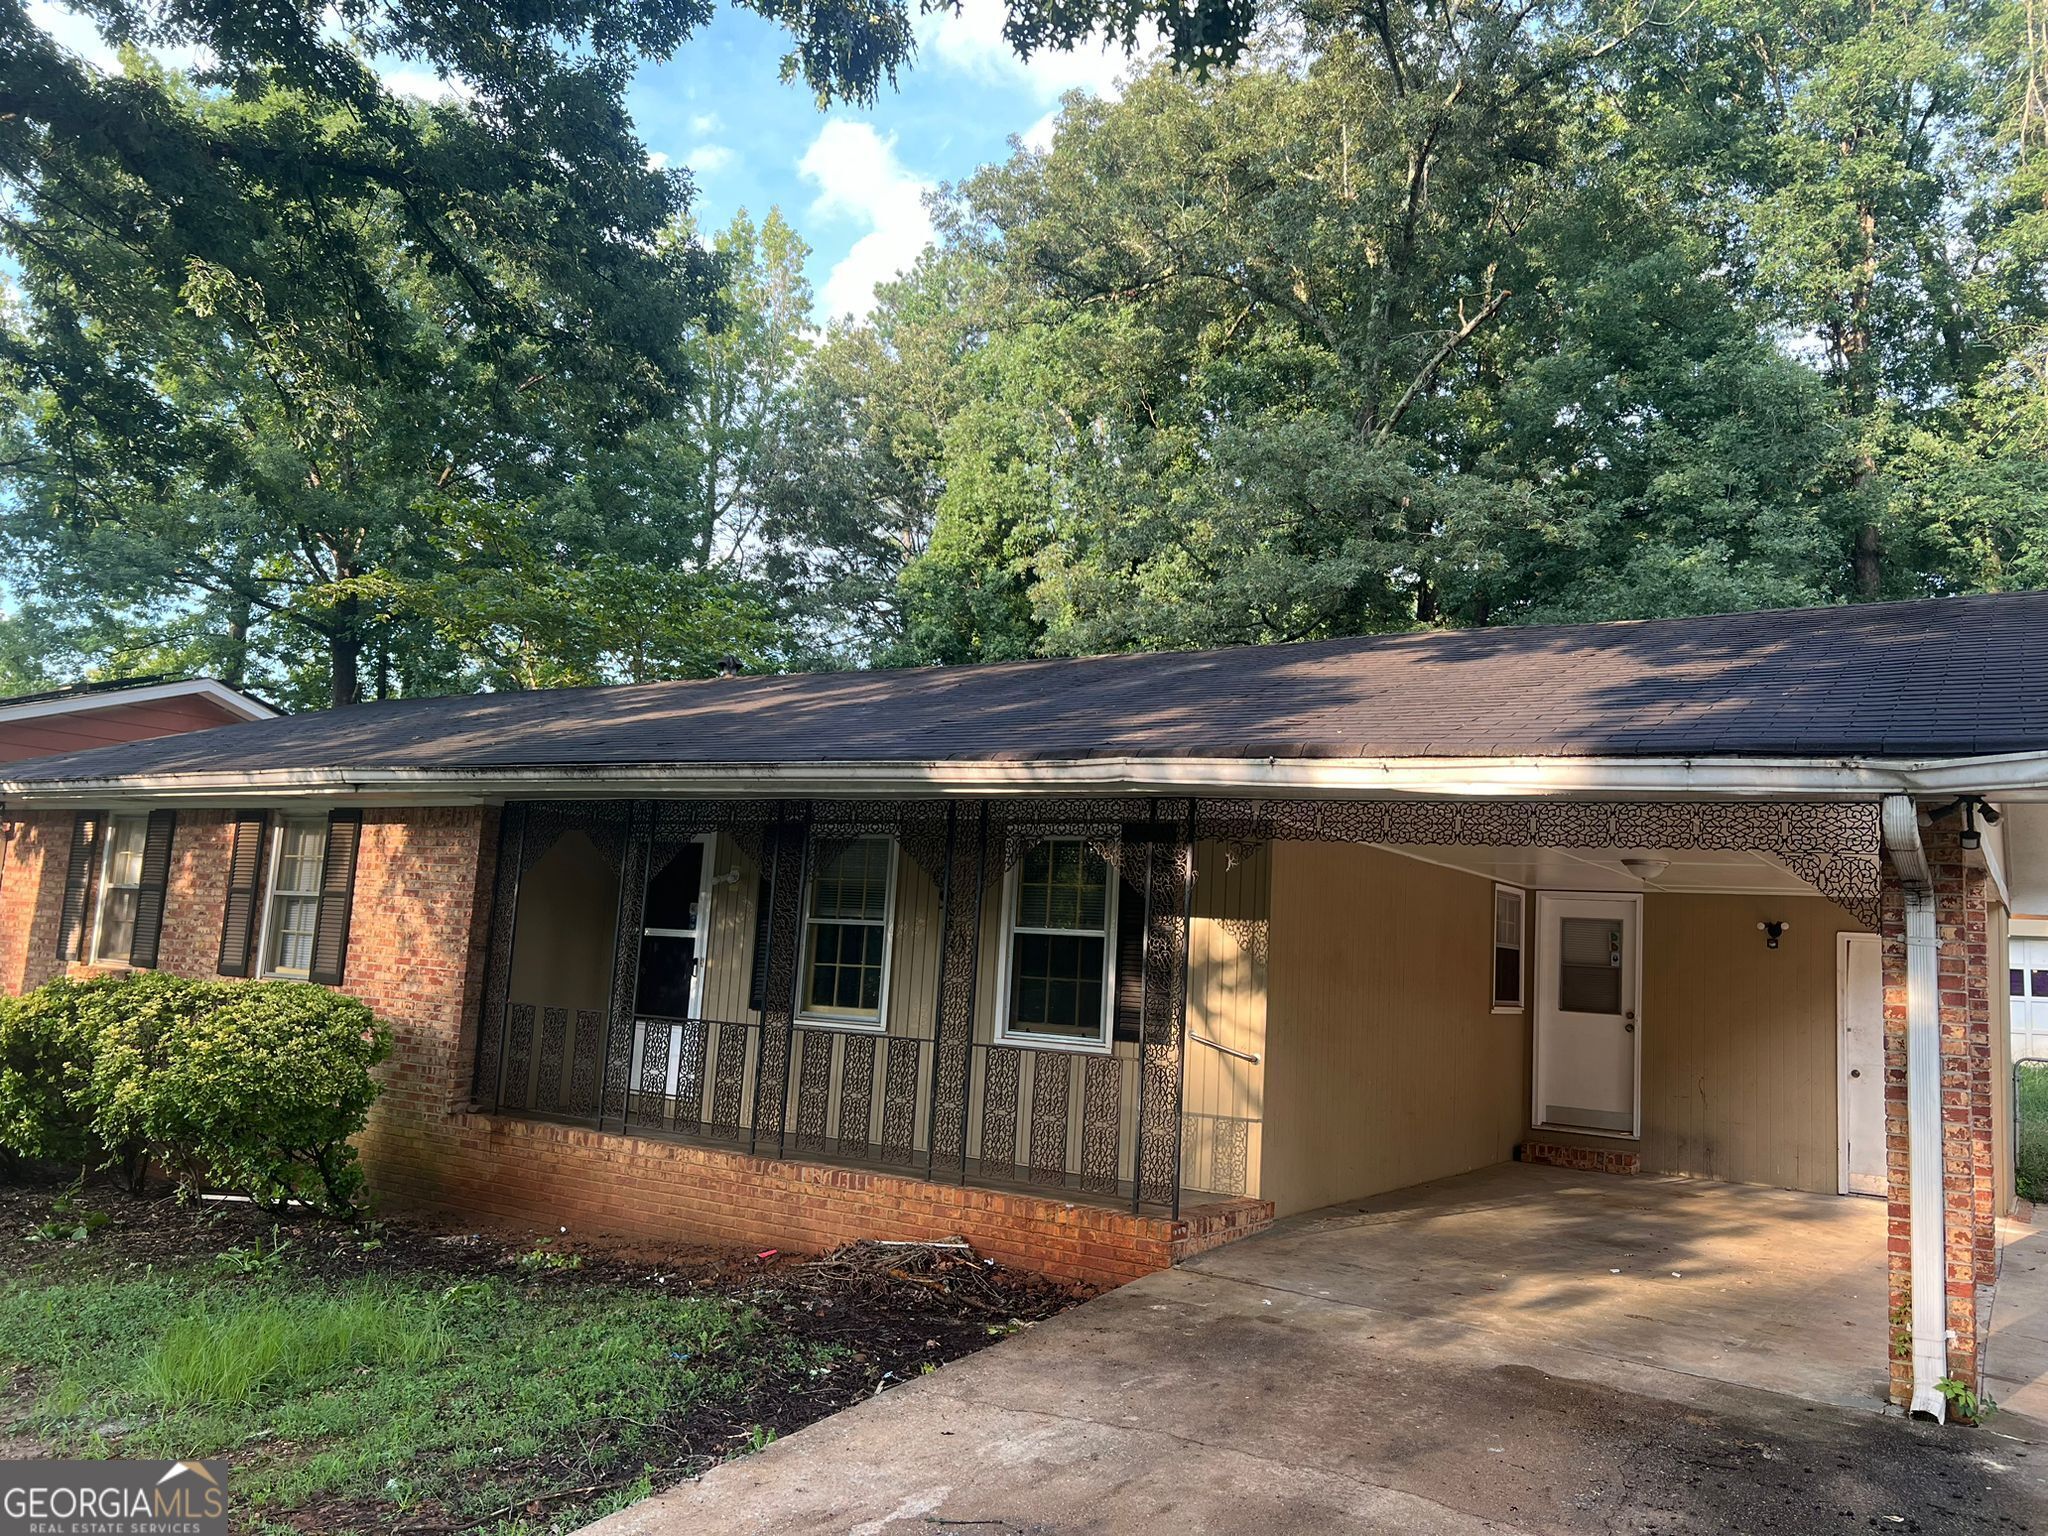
{"points": [[860, 180], [657, 160], [709, 159], [1039, 135], [706, 122], [971, 42], [423, 85]]}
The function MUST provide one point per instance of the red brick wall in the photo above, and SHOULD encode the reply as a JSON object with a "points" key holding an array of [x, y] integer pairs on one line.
{"points": [[532, 1173], [1965, 972], [416, 957], [35, 851]]}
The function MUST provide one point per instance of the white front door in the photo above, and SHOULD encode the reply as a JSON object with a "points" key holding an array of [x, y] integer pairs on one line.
{"points": [[1588, 993], [1859, 1062]]}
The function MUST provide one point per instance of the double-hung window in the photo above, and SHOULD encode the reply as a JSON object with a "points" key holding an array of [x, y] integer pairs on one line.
{"points": [[1507, 949], [120, 889], [292, 911], [1057, 953], [846, 934]]}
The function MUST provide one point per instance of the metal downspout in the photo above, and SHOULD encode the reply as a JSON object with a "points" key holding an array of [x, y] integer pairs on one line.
{"points": [[1923, 1108]]}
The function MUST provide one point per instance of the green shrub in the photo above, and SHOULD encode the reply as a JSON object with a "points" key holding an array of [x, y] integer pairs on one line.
{"points": [[48, 1046], [251, 1086], [258, 1090]]}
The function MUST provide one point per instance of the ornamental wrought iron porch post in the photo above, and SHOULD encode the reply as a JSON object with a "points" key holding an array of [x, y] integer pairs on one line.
{"points": [[1162, 1050], [619, 1023], [952, 1080], [790, 875], [487, 1074]]}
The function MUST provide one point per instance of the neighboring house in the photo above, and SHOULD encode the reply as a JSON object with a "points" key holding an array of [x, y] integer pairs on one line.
{"points": [[88, 715], [2024, 832], [1102, 961]]}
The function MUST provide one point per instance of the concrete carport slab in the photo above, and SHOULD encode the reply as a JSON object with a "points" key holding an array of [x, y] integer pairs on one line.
{"points": [[1459, 1357]]}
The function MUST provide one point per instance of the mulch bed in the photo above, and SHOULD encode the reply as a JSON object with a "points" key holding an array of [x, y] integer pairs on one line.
{"points": [[897, 1308]]}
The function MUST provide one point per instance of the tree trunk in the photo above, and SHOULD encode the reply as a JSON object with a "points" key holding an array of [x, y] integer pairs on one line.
{"points": [[1869, 562], [345, 655]]}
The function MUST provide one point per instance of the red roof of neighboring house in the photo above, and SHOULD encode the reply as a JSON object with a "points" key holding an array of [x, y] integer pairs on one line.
{"points": [[90, 715]]}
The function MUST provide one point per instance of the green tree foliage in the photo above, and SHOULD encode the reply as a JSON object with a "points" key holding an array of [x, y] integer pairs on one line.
{"points": [[289, 341], [1499, 313]]}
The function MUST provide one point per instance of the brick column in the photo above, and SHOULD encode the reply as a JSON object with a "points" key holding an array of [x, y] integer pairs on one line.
{"points": [[35, 852], [1965, 975]]}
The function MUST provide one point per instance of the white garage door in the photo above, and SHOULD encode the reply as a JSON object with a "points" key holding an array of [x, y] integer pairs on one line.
{"points": [[2029, 988]]}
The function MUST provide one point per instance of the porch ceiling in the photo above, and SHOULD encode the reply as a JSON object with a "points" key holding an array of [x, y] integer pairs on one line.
{"points": [[1733, 872]]}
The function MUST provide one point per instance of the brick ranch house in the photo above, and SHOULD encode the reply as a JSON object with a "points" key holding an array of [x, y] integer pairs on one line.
{"points": [[1099, 962]]}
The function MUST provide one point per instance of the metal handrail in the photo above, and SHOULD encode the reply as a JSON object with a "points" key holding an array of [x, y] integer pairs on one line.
{"points": [[1228, 1050]]}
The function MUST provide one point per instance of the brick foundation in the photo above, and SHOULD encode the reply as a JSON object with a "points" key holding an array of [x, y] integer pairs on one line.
{"points": [[536, 1173], [1560, 1154], [416, 957], [1965, 974]]}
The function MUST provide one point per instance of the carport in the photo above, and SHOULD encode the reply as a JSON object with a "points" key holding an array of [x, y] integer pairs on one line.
{"points": [[1737, 1283], [1518, 1349]]}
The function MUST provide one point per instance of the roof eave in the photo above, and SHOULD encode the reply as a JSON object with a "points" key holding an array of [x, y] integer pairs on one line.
{"points": [[2007, 775]]}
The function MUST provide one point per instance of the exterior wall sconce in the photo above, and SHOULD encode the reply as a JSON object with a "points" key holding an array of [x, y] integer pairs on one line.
{"points": [[1773, 932], [1971, 838]]}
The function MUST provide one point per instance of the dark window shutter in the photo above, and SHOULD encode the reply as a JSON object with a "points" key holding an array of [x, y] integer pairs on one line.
{"points": [[72, 927], [1130, 955], [245, 880], [337, 897], [757, 973], [149, 898]]}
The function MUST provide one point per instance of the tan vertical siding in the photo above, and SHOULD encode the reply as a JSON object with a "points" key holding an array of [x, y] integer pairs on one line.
{"points": [[1739, 1040], [1224, 1104], [1387, 1065]]}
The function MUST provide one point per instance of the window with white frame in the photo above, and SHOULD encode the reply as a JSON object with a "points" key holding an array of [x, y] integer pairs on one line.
{"points": [[120, 888], [846, 933], [293, 910], [1060, 916], [1507, 949]]}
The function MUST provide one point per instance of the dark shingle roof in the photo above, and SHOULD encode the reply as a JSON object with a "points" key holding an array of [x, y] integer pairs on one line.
{"points": [[1944, 677]]}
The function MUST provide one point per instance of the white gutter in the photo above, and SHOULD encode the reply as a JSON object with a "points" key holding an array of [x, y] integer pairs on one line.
{"points": [[1923, 1108], [2011, 777]]}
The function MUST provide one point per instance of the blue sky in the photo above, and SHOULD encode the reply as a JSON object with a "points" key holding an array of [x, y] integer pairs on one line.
{"points": [[852, 180]]}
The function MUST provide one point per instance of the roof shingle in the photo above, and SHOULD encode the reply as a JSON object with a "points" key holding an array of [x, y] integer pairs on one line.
{"points": [[1943, 677]]}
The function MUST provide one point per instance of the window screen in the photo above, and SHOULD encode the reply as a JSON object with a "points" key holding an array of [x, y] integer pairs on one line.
{"points": [[846, 932], [295, 896], [122, 887], [1589, 965], [1059, 943], [1507, 948]]}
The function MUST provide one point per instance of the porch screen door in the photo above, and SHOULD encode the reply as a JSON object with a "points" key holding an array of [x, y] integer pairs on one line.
{"points": [[1588, 988], [671, 982]]}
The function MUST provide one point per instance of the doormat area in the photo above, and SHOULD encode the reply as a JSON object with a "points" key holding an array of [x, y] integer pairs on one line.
{"points": [[1584, 1159]]}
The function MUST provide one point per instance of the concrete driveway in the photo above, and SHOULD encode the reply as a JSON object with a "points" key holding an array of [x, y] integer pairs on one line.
{"points": [[1521, 1349]]}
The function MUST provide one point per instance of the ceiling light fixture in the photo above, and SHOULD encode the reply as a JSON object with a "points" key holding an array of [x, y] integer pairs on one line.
{"points": [[1646, 869]]}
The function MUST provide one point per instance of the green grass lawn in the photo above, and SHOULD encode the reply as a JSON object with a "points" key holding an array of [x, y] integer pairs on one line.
{"points": [[394, 1394], [2032, 1151]]}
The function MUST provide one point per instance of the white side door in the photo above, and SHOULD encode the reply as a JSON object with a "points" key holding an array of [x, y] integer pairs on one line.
{"points": [[1859, 1062], [1588, 1073]]}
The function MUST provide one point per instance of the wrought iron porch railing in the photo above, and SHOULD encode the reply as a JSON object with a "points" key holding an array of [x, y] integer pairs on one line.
{"points": [[1022, 1116]]}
